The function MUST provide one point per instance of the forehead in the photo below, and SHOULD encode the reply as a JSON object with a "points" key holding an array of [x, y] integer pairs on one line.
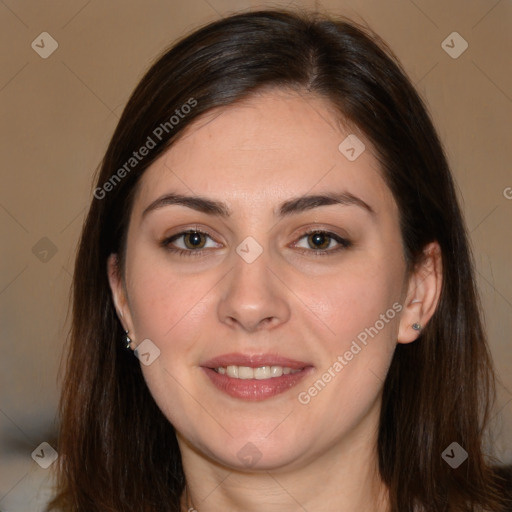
{"points": [[266, 148]]}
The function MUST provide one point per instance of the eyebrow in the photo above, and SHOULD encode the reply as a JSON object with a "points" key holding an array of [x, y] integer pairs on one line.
{"points": [[290, 207]]}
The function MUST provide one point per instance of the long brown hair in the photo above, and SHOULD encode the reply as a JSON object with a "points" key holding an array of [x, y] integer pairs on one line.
{"points": [[117, 450]]}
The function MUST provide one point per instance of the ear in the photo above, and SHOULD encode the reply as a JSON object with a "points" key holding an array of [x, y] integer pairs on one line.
{"points": [[423, 291], [119, 295]]}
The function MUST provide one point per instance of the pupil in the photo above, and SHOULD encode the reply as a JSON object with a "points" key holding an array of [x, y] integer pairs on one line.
{"points": [[319, 240], [194, 240]]}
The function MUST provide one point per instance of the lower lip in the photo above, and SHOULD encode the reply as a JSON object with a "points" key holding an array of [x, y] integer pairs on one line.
{"points": [[254, 389]]}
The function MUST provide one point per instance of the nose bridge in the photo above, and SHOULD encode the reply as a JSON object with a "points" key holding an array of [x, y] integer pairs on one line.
{"points": [[252, 296]]}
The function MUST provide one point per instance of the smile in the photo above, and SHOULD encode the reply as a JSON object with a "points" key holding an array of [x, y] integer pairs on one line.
{"points": [[255, 377], [260, 373]]}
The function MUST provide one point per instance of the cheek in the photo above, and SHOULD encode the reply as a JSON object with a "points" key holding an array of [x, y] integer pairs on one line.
{"points": [[356, 297], [356, 360], [166, 305], [169, 309], [361, 309]]}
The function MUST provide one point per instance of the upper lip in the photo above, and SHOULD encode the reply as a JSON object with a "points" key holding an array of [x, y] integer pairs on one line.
{"points": [[254, 361]]}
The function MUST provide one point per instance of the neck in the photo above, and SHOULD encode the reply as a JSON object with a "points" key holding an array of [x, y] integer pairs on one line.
{"points": [[344, 477], [273, 493]]}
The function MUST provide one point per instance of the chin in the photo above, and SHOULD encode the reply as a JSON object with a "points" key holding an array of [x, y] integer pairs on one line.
{"points": [[248, 453]]}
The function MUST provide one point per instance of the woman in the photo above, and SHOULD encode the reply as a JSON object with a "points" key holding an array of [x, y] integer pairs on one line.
{"points": [[275, 235]]}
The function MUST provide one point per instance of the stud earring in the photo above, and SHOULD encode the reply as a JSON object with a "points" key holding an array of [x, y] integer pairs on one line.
{"points": [[128, 340], [416, 326]]}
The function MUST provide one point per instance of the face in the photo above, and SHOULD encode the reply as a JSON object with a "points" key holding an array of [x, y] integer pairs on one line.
{"points": [[257, 248]]}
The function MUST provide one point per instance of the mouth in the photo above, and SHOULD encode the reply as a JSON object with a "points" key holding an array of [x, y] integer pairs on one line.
{"points": [[255, 377], [259, 373]]}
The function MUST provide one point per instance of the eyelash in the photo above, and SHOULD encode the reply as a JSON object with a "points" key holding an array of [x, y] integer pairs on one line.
{"points": [[343, 243]]}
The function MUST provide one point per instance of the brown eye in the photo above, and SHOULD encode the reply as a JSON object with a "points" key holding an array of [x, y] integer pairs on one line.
{"points": [[190, 243], [322, 243], [194, 240], [319, 240]]}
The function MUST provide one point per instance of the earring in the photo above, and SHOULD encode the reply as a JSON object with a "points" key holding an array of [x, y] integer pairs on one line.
{"points": [[128, 340], [416, 326]]}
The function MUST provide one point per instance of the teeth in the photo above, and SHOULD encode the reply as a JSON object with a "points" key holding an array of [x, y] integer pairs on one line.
{"points": [[232, 371], [244, 372], [263, 372], [276, 371]]}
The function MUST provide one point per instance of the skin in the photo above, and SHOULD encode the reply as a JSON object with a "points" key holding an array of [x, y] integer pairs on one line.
{"points": [[254, 156]]}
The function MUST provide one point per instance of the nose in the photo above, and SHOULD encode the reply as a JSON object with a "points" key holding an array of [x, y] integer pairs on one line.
{"points": [[253, 298]]}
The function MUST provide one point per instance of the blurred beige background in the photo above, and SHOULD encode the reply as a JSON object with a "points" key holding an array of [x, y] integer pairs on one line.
{"points": [[58, 113]]}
